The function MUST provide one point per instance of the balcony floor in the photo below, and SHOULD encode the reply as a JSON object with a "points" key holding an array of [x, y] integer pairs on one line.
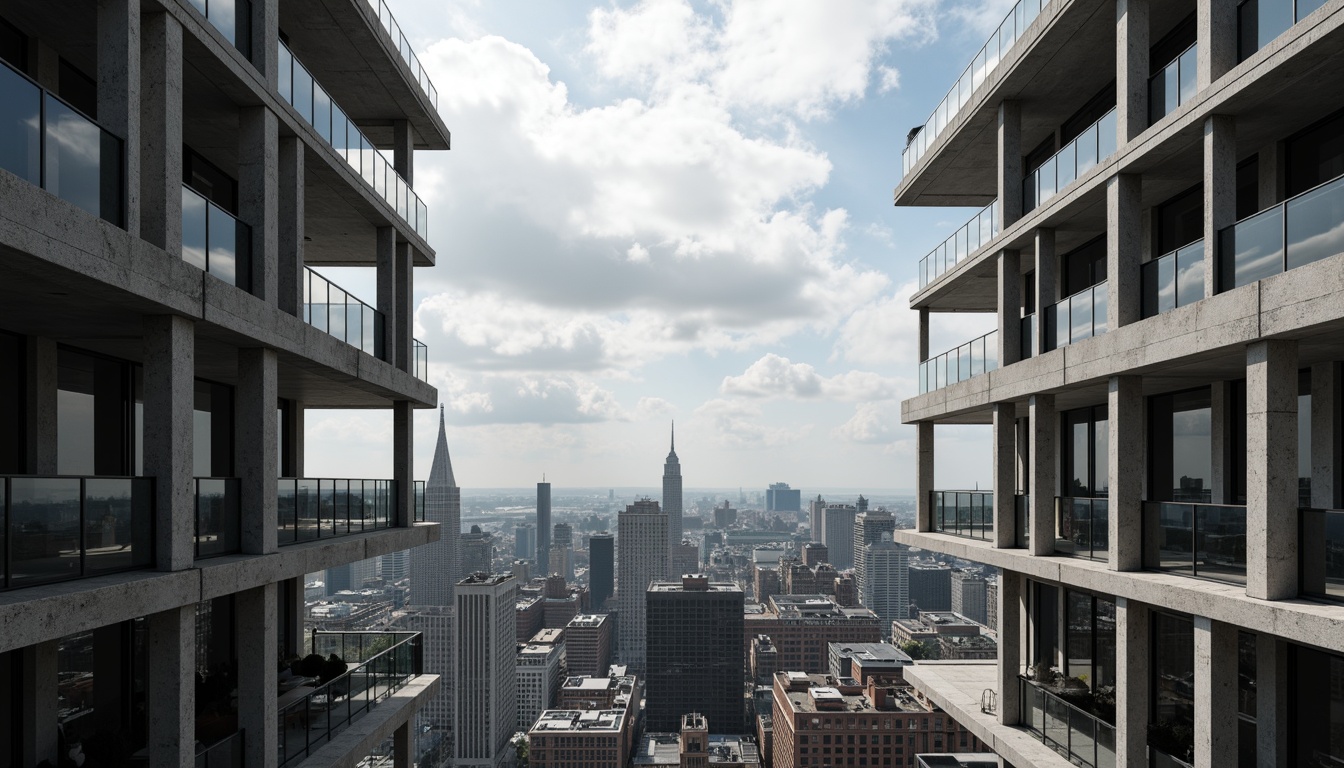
{"points": [[956, 687]]}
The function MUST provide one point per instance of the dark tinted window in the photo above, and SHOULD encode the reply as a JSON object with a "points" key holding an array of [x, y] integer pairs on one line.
{"points": [[1173, 687], [13, 46], [1316, 155], [1085, 266], [78, 89], [1248, 189], [12, 422], [1316, 707], [1089, 113], [1173, 44], [208, 179], [1180, 220]]}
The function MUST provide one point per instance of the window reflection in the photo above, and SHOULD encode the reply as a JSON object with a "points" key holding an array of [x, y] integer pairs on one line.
{"points": [[1173, 688]]}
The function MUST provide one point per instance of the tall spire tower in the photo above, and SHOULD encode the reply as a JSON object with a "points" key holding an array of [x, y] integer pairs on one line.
{"points": [[435, 567], [672, 495]]}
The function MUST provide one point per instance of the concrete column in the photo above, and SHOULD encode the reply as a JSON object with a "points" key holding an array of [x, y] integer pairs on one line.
{"points": [[44, 64], [258, 195], [1043, 469], [1272, 727], [1131, 69], [1271, 469], [1046, 292], [1010, 163], [1126, 464], [171, 689], [1217, 28], [1010, 307], [405, 306], [387, 291], [1132, 668], [255, 619], [403, 746], [923, 334], [40, 697], [290, 273], [170, 399], [265, 40], [403, 150], [119, 93], [403, 464], [1220, 187], [294, 618], [1327, 424], [1221, 440], [161, 131], [1124, 245], [40, 413], [923, 476], [1271, 164], [1005, 475], [256, 454], [1010, 646], [1215, 693]]}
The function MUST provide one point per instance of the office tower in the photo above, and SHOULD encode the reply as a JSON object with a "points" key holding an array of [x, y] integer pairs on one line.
{"points": [[931, 586], [543, 529], [695, 653], [540, 667], [601, 569], [765, 583], [560, 559], [525, 541], [672, 495], [886, 582], [435, 567], [563, 536], [837, 527], [816, 510], [968, 595], [685, 558], [529, 615], [435, 625], [588, 644], [801, 626], [478, 551], [712, 539], [724, 515], [815, 554], [164, 195], [779, 497], [485, 713], [561, 602], [641, 532], [395, 566], [868, 529]]}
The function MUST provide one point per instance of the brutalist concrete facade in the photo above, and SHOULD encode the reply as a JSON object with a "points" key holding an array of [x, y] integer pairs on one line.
{"points": [[170, 171], [1124, 152]]}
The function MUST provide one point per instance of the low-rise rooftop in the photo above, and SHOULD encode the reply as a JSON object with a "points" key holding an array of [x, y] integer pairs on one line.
{"points": [[560, 720]]}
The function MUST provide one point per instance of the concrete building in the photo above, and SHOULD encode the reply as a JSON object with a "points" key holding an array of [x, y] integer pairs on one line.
{"points": [[932, 625], [485, 713], [724, 515], [541, 667], [675, 750], [863, 660], [694, 654], [525, 541], [779, 497], [765, 582], [562, 537], [589, 639], [968, 595], [816, 510], [815, 553], [685, 559], [529, 615], [164, 194], [478, 551], [803, 626], [642, 538], [575, 738], [930, 586], [672, 496], [992, 603], [598, 692], [837, 533], [544, 529], [764, 659], [435, 625], [885, 582], [601, 570]]}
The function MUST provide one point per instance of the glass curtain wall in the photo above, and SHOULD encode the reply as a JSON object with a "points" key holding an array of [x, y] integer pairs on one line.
{"points": [[1090, 647], [94, 396]]}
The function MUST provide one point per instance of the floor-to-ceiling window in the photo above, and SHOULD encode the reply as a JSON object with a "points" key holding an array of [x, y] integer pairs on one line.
{"points": [[1172, 710], [1083, 510], [1246, 703], [94, 396], [12, 410], [1316, 707]]}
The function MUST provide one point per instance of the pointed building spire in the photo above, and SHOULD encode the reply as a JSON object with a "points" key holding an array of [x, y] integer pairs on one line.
{"points": [[441, 468], [674, 435]]}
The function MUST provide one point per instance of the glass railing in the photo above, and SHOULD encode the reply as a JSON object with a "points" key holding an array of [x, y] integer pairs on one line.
{"points": [[317, 714], [328, 307], [966, 361], [313, 508], [1174, 85], [215, 241], [233, 19], [984, 63], [1260, 21], [1204, 540], [218, 516], [972, 236], [1095, 144], [419, 501], [1022, 519], [1079, 317], [357, 646], [1320, 552], [964, 513], [404, 48], [1298, 231], [1028, 337], [1174, 280], [314, 104], [50, 144], [421, 359], [60, 528], [1082, 526], [228, 752], [1079, 736]]}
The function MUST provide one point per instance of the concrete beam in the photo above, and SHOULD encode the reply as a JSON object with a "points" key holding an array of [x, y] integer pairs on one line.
{"points": [[258, 195], [1131, 69], [1005, 475], [1046, 290], [1010, 162], [1220, 186], [1125, 467], [256, 455], [1131, 685], [161, 131], [1215, 693], [1044, 426], [170, 400], [290, 272], [1010, 308], [1124, 245], [1271, 469], [119, 93], [171, 689]]}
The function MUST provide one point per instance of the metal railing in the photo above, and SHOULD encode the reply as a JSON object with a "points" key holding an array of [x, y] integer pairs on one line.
{"points": [[358, 646], [52, 145], [60, 528], [1082, 526], [404, 48], [314, 104], [1079, 736], [1174, 85], [328, 709], [1320, 552], [1300, 230], [982, 65], [219, 528], [421, 353], [1260, 21], [314, 508], [964, 513], [330, 308], [233, 19], [215, 241], [1080, 316], [972, 236], [1093, 145], [228, 752], [1203, 540], [1173, 280], [980, 355]]}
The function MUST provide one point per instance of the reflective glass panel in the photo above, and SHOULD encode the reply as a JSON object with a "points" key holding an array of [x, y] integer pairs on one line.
{"points": [[117, 524], [194, 217], [71, 157], [223, 233], [20, 137], [1316, 224], [1255, 248], [44, 535], [1190, 274]]}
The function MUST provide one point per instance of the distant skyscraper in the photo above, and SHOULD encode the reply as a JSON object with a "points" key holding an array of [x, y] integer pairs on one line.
{"points": [[485, 671], [868, 529], [779, 497], [968, 596], [837, 528], [601, 569], [395, 566], [563, 536], [672, 495], [543, 529], [816, 510], [694, 653], [436, 567], [525, 541], [931, 587], [641, 532], [885, 588], [478, 551]]}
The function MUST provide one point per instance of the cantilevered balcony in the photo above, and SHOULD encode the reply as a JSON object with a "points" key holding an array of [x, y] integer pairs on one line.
{"points": [[1093, 145], [421, 354], [1174, 85], [1080, 316], [404, 48], [233, 19], [1301, 230], [218, 516], [972, 236], [215, 240], [328, 307], [1081, 736], [971, 359], [320, 508], [1321, 552], [1082, 526], [1173, 280], [964, 513], [1207, 541]]}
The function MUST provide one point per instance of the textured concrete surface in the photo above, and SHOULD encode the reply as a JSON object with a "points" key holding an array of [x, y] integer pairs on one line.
{"points": [[160, 177], [1271, 469], [1126, 466], [1005, 474], [1131, 69], [290, 274], [1011, 599], [259, 195], [1044, 429], [119, 91], [1133, 675], [255, 449], [1216, 690], [1220, 188], [924, 447], [171, 687], [382, 721], [255, 611], [1327, 423], [1010, 307], [1009, 177], [40, 411], [1216, 27], [1124, 292], [1047, 288], [1272, 682], [169, 403]]}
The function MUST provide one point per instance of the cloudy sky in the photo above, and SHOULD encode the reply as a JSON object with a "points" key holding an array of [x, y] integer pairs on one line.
{"points": [[678, 210]]}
